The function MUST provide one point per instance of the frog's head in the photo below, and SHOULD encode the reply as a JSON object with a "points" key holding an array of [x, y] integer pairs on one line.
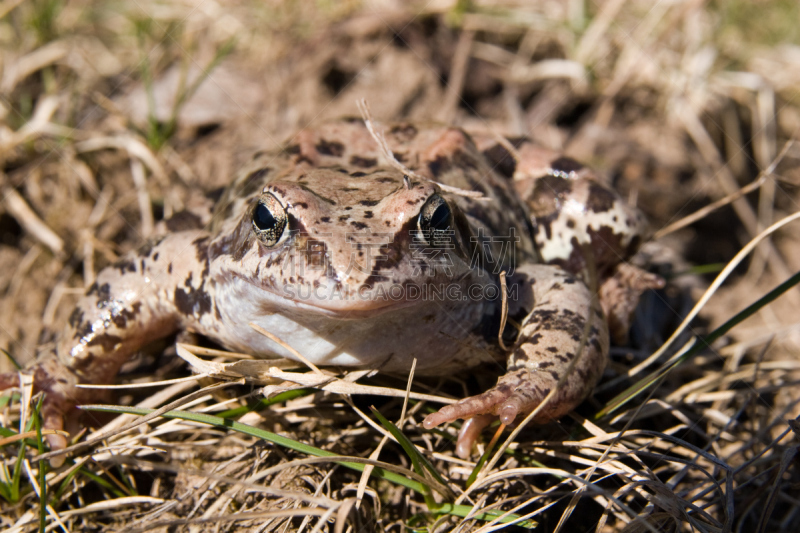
{"points": [[343, 242]]}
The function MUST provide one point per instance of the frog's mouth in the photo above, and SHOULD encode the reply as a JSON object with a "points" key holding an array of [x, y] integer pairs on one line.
{"points": [[364, 300], [337, 301]]}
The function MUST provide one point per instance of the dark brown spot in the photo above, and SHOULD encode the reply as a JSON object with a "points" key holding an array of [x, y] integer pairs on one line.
{"points": [[201, 249], [332, 148], [358, 174], [121, 318], [438, 166], [358, 225], [76, 317], [369, 203], [363, 162], [404, 132], [367, 214], [520, 354], [501, 160], [192, 301], [566, 164], [103, 293], [325, 219], [601, 200]]}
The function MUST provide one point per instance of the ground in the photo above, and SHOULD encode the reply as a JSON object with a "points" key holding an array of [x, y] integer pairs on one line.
{"points": [[114, 116]]}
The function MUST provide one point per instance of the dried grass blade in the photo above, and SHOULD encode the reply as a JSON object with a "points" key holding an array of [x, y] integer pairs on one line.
{"points": [[19, 209]]}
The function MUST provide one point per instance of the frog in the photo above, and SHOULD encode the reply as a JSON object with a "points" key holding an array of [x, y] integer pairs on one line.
{"points": [[427, 245]]}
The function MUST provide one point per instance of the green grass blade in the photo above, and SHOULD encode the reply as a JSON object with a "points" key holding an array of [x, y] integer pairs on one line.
{"points": [[11, 358], [407, 446], [403, 439], [37, 422], [263, 403], [419, 461]]}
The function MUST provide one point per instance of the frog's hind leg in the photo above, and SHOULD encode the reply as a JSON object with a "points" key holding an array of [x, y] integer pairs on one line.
{"points": [[564, 336]]}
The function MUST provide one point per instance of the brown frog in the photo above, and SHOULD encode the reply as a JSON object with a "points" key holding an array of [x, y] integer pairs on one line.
{"points": [[357, 260]]}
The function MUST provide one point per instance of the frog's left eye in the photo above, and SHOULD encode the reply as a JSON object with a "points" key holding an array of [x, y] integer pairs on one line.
{"points": [[269, 220], [435, 221]]}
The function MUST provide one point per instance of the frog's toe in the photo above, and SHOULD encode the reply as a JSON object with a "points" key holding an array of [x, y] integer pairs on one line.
{"points": [[54, 420], [485, 403], [469, 433]]}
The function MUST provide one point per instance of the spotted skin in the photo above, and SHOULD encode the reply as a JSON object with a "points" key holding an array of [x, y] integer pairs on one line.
{"points": [[331, 248]]}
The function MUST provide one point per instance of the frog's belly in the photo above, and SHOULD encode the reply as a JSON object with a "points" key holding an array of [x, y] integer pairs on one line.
{"points": [[438, 335]]}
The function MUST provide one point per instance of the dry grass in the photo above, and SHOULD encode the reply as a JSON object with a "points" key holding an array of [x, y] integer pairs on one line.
{"points": [[107, 127]]}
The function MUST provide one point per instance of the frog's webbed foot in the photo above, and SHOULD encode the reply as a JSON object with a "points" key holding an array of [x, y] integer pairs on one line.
{"points": [[553, 335], [515, 393]]}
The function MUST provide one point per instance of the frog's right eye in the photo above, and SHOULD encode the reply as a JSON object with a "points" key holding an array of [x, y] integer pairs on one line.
{"points": [[269, 220]]}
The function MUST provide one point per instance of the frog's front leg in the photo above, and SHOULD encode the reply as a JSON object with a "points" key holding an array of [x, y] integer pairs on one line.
{"points": [[144, 296], [549, 341]]}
